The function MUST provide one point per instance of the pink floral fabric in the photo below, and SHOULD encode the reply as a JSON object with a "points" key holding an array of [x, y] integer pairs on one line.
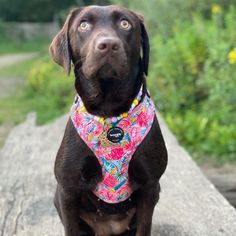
{"points": [[115, 159]]}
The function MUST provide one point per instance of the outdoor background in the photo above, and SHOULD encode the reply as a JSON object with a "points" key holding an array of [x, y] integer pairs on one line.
{"points": [[192, 76]]}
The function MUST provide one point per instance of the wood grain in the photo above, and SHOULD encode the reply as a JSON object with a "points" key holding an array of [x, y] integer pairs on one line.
{"points": [[189, 203]]}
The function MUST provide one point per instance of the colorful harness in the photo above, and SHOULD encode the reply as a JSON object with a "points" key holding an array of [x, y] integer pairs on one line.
{"points": [[114, 141]]}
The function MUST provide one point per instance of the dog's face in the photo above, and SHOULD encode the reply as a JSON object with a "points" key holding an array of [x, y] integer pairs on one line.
{"points": [[109, 48], [105, 41]]}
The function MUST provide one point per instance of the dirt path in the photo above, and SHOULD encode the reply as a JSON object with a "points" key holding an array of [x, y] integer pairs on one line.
{"points": [[9, 84], [7, 60]]}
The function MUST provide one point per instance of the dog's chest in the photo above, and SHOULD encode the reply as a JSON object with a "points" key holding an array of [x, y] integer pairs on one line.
{"points": [[113, 144]]}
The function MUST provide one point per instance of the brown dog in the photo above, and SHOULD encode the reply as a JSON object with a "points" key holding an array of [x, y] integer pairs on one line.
{"points": [[105, 45]]}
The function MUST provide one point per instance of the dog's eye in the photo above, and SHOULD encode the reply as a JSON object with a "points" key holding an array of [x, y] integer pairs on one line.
{"points": [[84, 25], [125, 25]]}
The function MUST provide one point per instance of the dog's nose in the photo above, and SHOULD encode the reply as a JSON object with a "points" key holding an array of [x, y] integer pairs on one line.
{"points": [[108, 45]]}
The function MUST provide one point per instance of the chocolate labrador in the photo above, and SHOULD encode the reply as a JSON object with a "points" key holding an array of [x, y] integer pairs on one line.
{"points": [[113, 154]]}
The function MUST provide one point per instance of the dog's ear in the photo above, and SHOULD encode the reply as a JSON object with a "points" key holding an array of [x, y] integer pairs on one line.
{"points": [[60, 49], [145, 48], [145, 45]]}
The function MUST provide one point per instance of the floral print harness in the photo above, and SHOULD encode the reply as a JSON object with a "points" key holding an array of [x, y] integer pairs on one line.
{"points": [[115, 152]]}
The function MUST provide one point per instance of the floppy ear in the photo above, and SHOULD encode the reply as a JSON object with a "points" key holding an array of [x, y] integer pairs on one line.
{"points": [[144, 42], [60, 47], [145, 48]]}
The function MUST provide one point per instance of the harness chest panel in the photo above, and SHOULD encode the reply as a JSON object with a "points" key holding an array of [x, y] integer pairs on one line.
{"points": [[114, 144]]}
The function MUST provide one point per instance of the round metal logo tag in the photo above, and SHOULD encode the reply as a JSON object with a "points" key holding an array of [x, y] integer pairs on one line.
{"points": [[115, 134]]}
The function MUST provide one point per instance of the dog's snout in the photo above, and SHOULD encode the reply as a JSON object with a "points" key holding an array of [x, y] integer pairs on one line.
{"points": [[108, 45]]}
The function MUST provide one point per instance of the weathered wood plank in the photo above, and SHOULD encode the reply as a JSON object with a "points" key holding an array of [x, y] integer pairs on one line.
{"points": [[27, 182], [226, 184], [189, 204]]}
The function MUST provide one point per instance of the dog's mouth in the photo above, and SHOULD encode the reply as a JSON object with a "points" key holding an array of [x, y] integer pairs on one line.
{"points": [[105, 68], [107, 72]]}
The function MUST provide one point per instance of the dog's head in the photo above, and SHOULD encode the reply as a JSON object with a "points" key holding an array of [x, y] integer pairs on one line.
{"points": [[104, 44], [105, 40]]}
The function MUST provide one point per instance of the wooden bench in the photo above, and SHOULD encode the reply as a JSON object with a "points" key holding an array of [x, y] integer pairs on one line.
{"points": [[189, 203]]}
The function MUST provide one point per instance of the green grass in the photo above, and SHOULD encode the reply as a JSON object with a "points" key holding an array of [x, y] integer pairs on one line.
{"points": [[20, 69], [14, 109], [7, 47]]}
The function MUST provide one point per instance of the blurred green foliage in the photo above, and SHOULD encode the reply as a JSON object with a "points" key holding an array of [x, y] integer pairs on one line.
{"points": [[196, 83], [39, 10], [47, 91], [51, 88], [161, 15], [17, 46], [31, 10]]}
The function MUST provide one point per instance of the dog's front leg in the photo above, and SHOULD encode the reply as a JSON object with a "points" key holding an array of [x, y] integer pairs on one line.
{"points": [[67, 205], [149, 197]]}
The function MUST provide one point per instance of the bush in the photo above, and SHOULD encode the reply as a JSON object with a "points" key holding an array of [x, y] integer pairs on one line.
{"points": [[196, 83], [50, 89], [31, 10], [38, 10]]}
